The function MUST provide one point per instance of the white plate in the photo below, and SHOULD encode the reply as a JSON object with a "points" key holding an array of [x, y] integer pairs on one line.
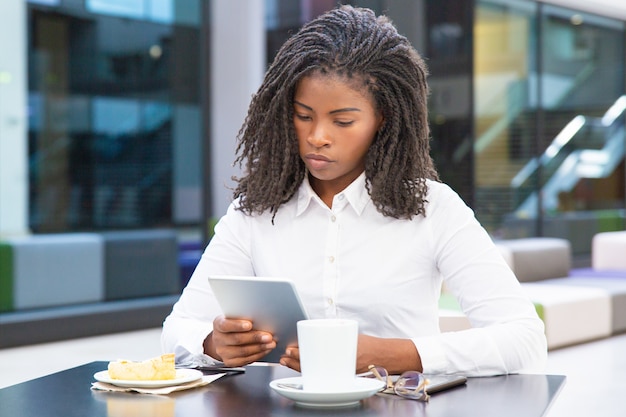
{"points": [[182, 377], [363, 388]]}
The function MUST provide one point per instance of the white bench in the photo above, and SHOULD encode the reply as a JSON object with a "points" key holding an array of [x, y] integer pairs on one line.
{"points": [[608, 251], [573, 310], [571, 314]]}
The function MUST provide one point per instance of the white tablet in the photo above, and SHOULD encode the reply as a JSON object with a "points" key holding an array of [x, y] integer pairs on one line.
{"points": [[272, 304]]}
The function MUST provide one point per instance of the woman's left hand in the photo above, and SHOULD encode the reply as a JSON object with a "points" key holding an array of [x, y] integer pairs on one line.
{"points": [[394, 354], [291, 358]]}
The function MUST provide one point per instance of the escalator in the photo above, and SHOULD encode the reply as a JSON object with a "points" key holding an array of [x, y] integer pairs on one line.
{"points": [[586, 148]]}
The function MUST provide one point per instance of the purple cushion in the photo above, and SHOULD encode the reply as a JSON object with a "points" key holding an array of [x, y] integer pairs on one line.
{"points": [[590, 272]]}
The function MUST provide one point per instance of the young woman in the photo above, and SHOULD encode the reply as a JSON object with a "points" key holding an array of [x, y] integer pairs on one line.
{"points": [[341, 195]]}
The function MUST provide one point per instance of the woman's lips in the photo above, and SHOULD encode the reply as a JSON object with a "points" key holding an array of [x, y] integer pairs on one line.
{"points": [[316, 161]]}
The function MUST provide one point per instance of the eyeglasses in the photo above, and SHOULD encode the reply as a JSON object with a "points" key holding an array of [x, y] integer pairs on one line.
{"points": [[410, 384]]}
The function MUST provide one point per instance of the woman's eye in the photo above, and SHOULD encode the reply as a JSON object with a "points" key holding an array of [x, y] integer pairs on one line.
{"points": [[303, 117], [343, 123]]}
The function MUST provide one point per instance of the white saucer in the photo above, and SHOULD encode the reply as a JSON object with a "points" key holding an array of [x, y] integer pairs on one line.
{"points": [[182, 377], [363, 388]]}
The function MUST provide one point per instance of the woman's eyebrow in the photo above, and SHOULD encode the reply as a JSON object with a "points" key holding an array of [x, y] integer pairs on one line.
{"points": [[302, 105], [343, 110]]}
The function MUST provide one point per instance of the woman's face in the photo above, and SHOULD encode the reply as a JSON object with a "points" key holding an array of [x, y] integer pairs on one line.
{"points": [[335, 125]]}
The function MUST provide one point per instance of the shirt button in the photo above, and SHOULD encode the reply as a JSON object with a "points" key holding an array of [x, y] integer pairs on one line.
{"points": [[341, 197], [333, 218], [331, 259], [330, 301]]}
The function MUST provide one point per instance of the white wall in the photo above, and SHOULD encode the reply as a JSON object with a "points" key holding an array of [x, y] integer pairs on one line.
{"points": [[13, 119], [237, 69]]}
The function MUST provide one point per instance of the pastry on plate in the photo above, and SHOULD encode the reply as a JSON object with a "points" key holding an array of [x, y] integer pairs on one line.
{"points": [[154, 369]]}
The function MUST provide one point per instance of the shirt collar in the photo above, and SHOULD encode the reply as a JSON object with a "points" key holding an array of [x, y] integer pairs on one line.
{"points": [[355, 194]]}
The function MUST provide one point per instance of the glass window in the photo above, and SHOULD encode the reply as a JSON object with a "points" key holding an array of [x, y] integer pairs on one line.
{"points": [[549, 120], [580, 186], [448, 54], [582, 78], [504, 113], [115, 122]]}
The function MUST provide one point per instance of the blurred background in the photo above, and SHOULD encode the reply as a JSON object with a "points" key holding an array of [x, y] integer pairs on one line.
{"points": [[118, 118]]}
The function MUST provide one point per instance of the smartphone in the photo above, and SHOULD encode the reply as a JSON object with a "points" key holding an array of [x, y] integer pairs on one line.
{"points": [[437, 383]]}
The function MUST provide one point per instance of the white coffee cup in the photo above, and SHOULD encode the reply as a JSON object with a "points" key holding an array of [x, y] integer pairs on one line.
{"points": [[328, 354]]}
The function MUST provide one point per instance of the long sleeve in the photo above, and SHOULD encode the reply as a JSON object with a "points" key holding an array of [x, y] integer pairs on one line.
{"points": [[507, 334], [191, 320]]}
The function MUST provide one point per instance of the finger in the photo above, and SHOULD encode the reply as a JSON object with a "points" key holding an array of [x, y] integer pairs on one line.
{"points": [[249, 338], [290, 362], [244, 344], [245, 354], [236, 362], [225, 325], [293, 352]]}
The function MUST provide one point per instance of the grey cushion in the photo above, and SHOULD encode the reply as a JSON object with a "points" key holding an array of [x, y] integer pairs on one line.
{"points": [[140, 263], [57, 269], [535, 259]]}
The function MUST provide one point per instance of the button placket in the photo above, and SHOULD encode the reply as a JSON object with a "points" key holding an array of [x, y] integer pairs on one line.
{"points": [[330, 265]]}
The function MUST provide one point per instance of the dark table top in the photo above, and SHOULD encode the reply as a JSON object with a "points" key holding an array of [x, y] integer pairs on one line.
{"points": [[68, 393]]}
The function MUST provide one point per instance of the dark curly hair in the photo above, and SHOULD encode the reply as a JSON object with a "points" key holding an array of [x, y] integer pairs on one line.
{"points": [[364, 49]]}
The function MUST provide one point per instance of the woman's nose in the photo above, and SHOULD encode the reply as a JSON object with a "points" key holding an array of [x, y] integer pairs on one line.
{"points": [[318, 136]]}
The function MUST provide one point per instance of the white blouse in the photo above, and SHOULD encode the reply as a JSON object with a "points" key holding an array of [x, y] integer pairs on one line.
{"points": [[352, 262]]}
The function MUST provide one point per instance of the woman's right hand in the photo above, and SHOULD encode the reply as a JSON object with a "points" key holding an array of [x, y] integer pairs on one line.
{"points": [[235, 343]]}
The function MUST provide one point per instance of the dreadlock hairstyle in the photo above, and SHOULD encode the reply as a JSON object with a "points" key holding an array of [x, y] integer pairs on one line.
{"points": [[367, 51]]}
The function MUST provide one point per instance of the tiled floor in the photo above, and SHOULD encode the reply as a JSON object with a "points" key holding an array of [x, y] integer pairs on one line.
{"points": [[595, 371]]}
